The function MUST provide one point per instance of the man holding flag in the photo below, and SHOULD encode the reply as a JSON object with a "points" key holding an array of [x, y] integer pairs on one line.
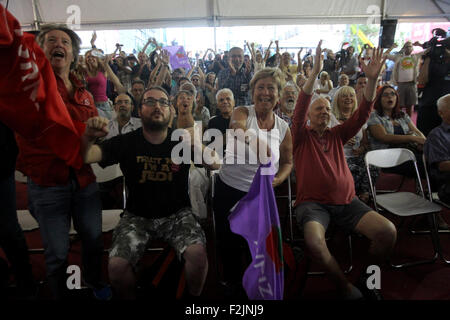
{"points": [[44, 103]]}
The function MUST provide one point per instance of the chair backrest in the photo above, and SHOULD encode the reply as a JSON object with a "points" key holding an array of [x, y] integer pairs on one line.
{"points": [[107, 174], [386, 158]]}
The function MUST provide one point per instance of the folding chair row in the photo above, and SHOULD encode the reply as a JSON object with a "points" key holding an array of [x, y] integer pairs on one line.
{"points": [[404, 204]]}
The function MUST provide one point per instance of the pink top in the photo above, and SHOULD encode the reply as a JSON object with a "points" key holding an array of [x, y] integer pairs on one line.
{"points": [[322, 172], [97, 86]]}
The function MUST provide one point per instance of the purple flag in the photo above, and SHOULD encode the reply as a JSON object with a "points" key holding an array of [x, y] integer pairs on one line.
{"points": [[256, 219], [178, 57]]}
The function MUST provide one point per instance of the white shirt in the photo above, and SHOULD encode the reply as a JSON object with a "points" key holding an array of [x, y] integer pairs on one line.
{"points": [[238, 170], [406, 69], [131, 125]]}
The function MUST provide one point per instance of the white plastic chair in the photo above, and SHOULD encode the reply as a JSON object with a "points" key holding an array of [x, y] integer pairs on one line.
{"points": [[110, 217], [26, 221], [404, 204]]}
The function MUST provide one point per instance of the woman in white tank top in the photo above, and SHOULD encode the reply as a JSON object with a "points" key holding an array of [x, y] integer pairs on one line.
{"points": [[239, 168], [237, 171]]}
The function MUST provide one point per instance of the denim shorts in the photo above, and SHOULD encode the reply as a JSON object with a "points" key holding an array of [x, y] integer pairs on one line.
{"points": [[104, 109], [133, 232]]}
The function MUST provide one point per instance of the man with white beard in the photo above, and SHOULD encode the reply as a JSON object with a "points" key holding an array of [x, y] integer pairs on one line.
{"points": [[288, 100]]}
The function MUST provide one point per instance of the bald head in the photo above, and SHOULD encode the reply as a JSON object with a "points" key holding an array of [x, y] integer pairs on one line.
{"points": [[443, 105], [319, 113], [443, 102]]}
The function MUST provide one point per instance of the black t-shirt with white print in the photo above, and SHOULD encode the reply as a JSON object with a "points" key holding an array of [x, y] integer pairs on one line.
{"points": [[156, 186]]}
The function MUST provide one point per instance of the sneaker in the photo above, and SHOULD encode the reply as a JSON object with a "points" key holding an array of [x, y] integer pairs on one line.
{"points": [[102, 293], [100, 290]]}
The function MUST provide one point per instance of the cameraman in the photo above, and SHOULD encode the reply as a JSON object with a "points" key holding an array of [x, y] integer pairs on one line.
{"points": [[349, 63], [434, 74]]}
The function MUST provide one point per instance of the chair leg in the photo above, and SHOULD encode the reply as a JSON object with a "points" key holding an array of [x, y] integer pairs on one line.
{"points": [[436, 245], [435, 237]]}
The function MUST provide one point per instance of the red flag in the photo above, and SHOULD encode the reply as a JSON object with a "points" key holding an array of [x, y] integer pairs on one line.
{"points": [[29, 100]]}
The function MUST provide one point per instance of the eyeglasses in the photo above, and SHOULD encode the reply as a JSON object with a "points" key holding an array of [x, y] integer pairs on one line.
{"points": [[388, 94], [151, 102], [123, 102]]}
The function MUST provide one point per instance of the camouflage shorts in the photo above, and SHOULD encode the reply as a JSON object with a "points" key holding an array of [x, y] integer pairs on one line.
{"points": [[132, 234]]}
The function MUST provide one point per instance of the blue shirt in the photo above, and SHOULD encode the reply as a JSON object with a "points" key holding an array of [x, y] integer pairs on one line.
{"points": [[437, 147], [386, 122], [239, 84]]}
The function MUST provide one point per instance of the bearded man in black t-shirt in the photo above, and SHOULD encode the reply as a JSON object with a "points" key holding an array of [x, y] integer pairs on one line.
{"points": [[158, 204]]}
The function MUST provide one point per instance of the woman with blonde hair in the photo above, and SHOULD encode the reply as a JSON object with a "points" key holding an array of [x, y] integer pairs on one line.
{"points": [[97, 71], [344, 105]]}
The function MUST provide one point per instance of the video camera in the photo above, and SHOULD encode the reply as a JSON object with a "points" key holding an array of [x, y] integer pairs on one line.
{"points": [[438, 44]]}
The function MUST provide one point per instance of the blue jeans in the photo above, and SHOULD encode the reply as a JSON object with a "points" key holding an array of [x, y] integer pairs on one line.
{"points": [[53, 207], [12, 239]]}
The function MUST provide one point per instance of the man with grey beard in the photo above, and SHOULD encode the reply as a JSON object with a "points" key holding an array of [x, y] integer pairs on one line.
{"points": [[288, 100]]}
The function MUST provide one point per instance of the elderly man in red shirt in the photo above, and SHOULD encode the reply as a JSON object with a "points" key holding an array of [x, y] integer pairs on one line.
{"points": [[325, 187]]}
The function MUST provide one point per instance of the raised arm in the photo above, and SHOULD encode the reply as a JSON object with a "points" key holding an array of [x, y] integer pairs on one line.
{"points": [[112, 76], [372, 72], [93, 38], [252, 51], [96, 127], [150, 40], [267, 53], [308, 88], [163, 68], [299, 63]]}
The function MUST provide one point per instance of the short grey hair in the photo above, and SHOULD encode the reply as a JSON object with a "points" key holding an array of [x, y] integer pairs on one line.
{"points": [[224, 90], [443, 101], [290, 84], [76, 41]]}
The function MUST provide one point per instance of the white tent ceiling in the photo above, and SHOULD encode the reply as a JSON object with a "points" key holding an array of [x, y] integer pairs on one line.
{"points": [[131, 14]]}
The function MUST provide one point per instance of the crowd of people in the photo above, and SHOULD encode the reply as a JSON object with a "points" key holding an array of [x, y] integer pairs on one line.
{"points": [[320, 116]]}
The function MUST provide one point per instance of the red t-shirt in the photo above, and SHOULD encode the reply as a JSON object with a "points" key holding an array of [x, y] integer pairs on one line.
{"points": [[324, 177], [39, 163]]}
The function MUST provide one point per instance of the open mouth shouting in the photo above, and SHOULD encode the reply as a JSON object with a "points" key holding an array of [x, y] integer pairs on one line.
{"points": [[58, 54]]}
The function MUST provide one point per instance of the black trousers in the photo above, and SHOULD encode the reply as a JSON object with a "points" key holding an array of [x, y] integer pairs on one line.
{"points": [[12, 239], [232, 248]]}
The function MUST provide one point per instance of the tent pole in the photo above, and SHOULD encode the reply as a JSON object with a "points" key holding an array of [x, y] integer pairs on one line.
{"points": [[214, 3], [383, 10], [36, 15]]}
